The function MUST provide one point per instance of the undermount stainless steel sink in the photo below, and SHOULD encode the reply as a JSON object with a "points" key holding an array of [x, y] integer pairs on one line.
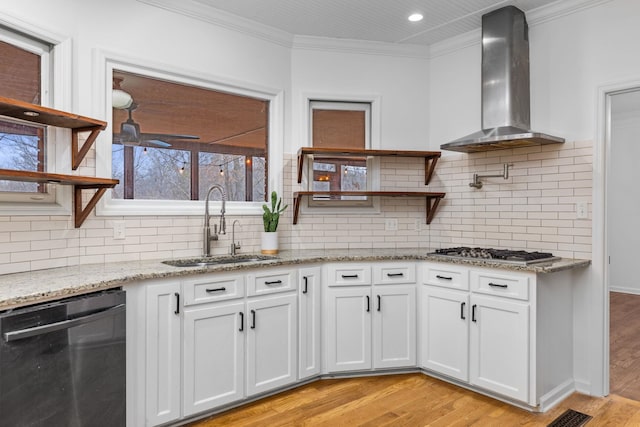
{"points": [[212, 261]]}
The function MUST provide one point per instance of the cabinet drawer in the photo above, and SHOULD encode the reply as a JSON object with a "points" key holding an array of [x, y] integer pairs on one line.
{"points": [[348, 274], [447, 276], [270, 282], [211, 288], [504, 285], [389, 273]]}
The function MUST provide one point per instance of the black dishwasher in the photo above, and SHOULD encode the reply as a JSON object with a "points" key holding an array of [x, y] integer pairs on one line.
{"points": [[63, 363]]}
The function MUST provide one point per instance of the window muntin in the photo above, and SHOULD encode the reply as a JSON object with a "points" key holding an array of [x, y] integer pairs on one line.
{"points": [[230, 149], [340, 125]]}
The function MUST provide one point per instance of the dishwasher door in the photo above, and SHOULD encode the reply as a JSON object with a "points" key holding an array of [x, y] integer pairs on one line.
{"points": [[63, 363]]}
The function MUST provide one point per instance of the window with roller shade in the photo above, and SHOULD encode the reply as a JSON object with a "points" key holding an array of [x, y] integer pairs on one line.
{"points": [[25, 74], [341, 125]]}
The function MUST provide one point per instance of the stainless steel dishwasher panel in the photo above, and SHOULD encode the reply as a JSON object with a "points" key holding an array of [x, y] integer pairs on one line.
{"points": [[63, 363]]}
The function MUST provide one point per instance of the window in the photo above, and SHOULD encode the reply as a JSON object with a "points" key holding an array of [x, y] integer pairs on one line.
{"points": [[24, 72], [172, 141], [340, 125]]}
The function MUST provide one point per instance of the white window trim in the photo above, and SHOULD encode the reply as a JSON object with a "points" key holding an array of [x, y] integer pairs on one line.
{"points": [[373, 165], [56, 93], [104, 64]]}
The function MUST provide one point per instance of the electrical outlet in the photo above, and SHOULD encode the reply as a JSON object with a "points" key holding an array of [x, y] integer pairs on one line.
{"points": [[417, 226], [119, 230], [391, 224], [582, 210]]}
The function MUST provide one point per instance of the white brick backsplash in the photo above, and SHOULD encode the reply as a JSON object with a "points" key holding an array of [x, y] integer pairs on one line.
{"points": [[534, 209]]}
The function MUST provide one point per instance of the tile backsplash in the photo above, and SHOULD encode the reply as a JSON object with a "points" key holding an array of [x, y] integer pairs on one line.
{"points": [[535, 209]]}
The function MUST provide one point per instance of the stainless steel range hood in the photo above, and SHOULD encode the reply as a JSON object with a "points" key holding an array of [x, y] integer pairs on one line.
{"points": [[505, 87]]}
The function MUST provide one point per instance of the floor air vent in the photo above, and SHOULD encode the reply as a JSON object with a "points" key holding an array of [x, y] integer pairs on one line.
{"points": [[570, 418]]}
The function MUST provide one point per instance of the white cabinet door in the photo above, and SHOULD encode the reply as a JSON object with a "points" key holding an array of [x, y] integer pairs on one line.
{"points": [[309, 326], [163, 349], [348, 326], [394, 326], [213, 356], [271, 342], [445, 331], [499, 353]]}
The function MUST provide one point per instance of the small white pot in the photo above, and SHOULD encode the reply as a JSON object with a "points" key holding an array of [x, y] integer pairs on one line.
{"points": [[269, 243]]}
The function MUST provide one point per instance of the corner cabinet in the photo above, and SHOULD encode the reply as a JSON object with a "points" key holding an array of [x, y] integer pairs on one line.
{"points": [[432, 199], [48, 116]]}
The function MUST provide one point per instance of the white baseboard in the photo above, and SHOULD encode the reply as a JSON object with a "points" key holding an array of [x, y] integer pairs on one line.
{"points": [[620, 289], [557, 395], [583, 387]]}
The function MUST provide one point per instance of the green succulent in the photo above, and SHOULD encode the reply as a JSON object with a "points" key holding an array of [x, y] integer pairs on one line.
{"points": [[270, 217]]}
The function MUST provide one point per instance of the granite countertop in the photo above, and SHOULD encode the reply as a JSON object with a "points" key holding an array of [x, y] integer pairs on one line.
{"points": [[20, 289]]}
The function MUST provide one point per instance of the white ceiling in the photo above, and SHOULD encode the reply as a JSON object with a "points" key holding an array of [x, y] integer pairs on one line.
{"points": [[370, 20]]}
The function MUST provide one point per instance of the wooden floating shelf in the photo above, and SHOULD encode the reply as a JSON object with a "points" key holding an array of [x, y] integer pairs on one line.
{"points": [[48, 116], [78, 182], [430, 157], [432, 199]]}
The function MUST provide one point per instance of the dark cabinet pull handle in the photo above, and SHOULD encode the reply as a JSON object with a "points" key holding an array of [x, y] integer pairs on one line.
{"points": [[473, 313], [498, 285], [443, 277], [216, 289], [177, 303], [379, 303], [368, 304], [462, 310], [273, 282], [241, 321], [395, 274], [306, 284], [253, 319], [349, 276]]}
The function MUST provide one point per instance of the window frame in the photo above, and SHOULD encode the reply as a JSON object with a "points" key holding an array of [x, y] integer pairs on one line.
{"points": [[55, 51], [107, 206], [341, 101]]}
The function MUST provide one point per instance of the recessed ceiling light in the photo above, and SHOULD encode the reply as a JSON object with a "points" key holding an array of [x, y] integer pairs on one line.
{"points": [[415, 17]]}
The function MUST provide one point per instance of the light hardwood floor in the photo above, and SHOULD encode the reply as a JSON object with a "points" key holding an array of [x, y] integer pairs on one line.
{"points": [[624, 338], [409, 400], [417, 400]]}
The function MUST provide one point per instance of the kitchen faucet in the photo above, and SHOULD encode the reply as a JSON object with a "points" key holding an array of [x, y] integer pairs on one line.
{"points": [[207, 236], [234, 246]]}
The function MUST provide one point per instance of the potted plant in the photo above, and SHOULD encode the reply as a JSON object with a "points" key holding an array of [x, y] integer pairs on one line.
{"points": [[270, 218]]}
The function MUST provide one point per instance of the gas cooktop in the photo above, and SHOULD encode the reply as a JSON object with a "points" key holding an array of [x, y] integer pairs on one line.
{"points": [[505, 256]]}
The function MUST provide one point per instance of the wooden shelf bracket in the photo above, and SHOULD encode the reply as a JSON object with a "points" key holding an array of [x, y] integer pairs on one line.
{"points": [[78, 155]]}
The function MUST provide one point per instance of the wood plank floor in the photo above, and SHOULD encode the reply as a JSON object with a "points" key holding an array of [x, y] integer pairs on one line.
{"points": [[409, 400], [417, 400], [624, 338]]}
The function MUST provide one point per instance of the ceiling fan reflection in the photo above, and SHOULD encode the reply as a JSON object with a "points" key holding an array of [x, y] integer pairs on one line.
{"points": [[130, 134]]}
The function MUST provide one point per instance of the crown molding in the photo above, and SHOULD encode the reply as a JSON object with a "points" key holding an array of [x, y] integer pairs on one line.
{"points": [[195, 9], [535, 17], [364, 47]]}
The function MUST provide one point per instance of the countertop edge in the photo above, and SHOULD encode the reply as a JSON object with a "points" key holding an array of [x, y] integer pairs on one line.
{"points": [[21, 289]]}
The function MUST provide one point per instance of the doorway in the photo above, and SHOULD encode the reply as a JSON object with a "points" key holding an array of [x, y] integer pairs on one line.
{"points": [[623, 240]]}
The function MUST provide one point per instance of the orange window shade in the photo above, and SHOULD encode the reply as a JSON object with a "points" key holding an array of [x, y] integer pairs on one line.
{"points": [[338, 129], [19, 74]]}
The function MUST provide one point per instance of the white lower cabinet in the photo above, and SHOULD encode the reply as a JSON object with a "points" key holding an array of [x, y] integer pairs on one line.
{"points": [[370, 327], [309, 328], [163, 344], [445, 331], [214, 349], [499, 357], [271, 343], [481, 335], [207, 344]]}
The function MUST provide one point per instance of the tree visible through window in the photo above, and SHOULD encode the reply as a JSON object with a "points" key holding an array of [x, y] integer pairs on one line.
{"points": [[172, 141]]}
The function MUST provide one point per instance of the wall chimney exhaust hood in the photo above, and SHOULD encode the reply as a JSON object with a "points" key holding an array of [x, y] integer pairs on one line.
{"points": [[505, 87]]}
